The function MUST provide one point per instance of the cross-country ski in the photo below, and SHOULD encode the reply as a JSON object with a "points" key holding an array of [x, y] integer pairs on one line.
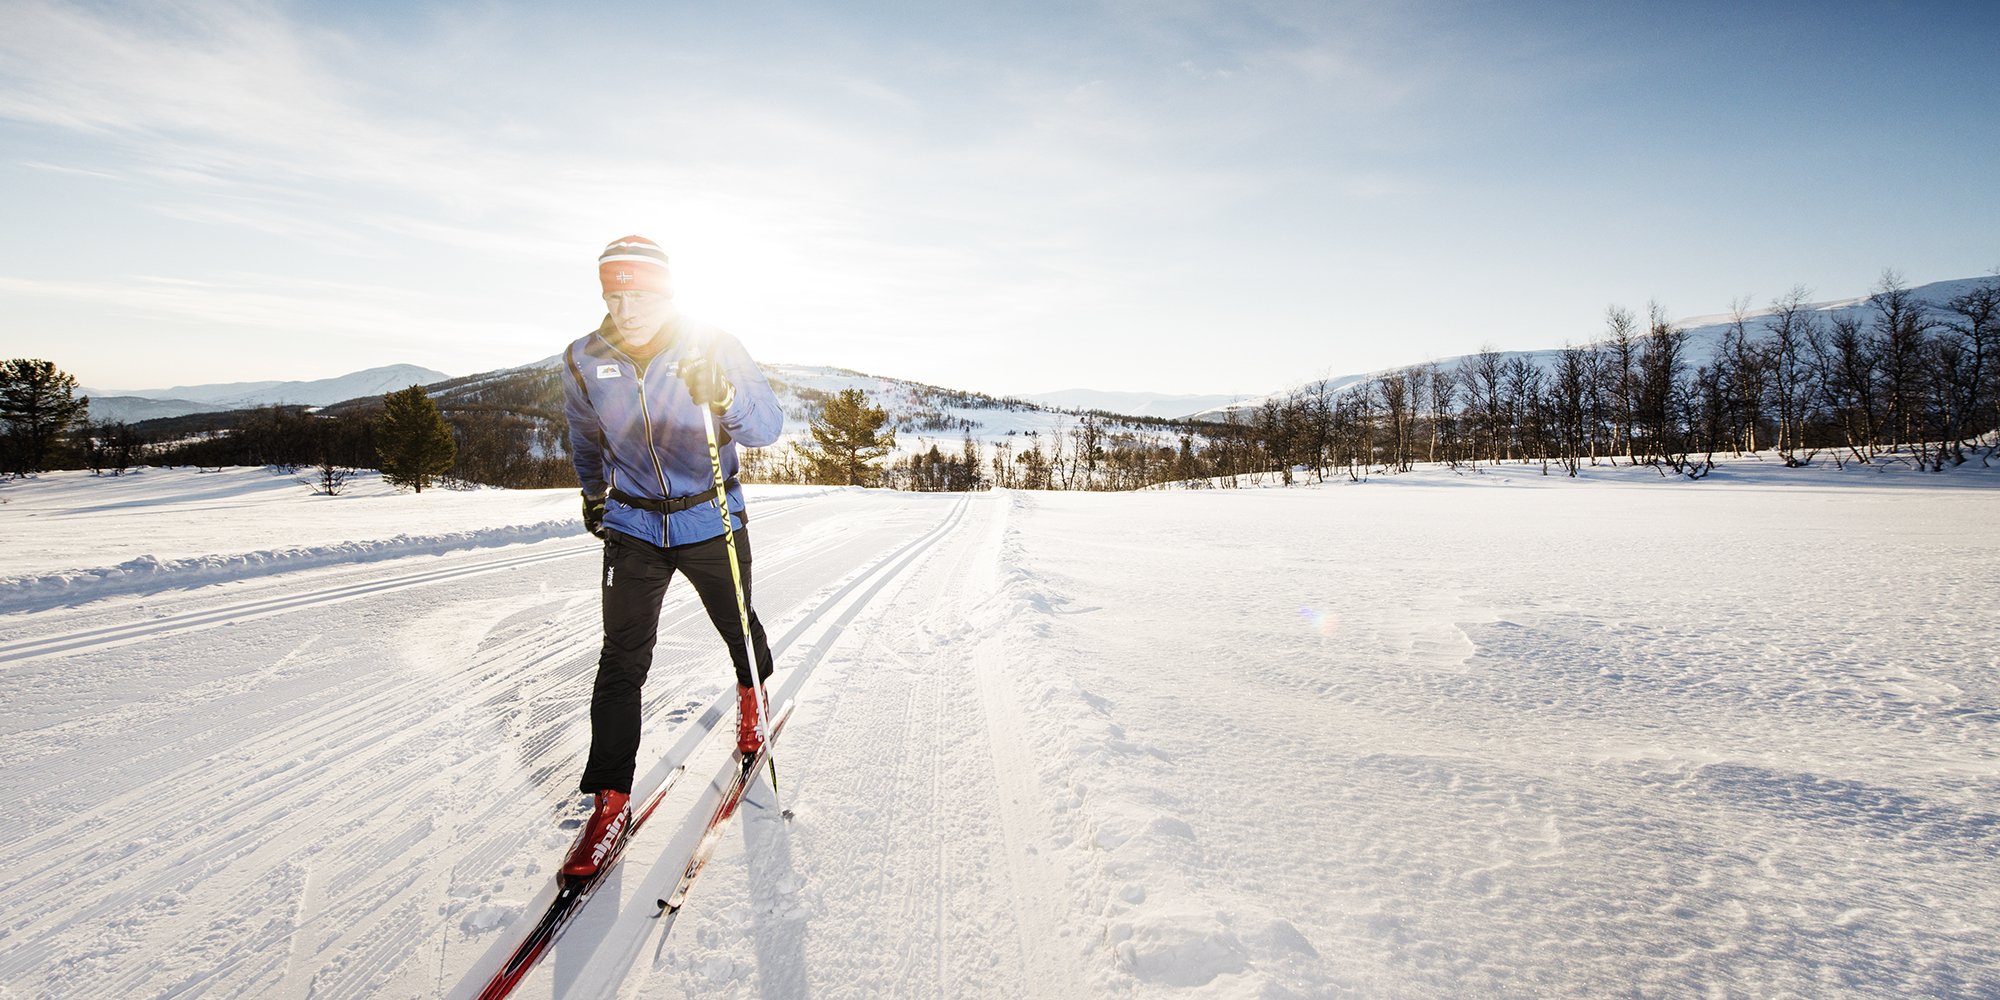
{"points": [[735, 779]]}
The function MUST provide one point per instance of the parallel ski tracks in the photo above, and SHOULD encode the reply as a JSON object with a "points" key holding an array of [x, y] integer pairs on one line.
{"points": [[528, 667], [541, 671], [285, 784], [612, 955], [115, 635]]}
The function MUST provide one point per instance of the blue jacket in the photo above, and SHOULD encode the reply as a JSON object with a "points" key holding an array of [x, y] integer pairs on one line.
{"points": [[642, 433]]}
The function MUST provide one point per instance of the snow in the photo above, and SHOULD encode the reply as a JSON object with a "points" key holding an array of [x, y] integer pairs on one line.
{"points": [[72, 536], [1427, 735]]}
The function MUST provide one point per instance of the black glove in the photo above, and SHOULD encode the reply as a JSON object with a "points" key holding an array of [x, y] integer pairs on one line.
{"points": [[593, 515], [707, 383]]}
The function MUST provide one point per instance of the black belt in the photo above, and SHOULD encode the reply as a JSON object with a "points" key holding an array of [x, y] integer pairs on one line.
{"points": [[673, 505]]}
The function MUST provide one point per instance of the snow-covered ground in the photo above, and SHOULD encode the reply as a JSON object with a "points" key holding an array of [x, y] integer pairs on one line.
{"points": [[1427, 736], [71, 536]]}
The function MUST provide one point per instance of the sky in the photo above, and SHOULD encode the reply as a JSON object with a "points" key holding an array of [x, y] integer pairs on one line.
{"points": [[1174, 196]]}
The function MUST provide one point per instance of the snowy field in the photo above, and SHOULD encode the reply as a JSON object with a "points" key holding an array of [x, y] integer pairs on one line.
{"points": [[1426, 736]]}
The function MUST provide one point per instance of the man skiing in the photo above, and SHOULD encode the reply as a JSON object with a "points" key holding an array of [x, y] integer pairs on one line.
{"points": [[634, 395]]}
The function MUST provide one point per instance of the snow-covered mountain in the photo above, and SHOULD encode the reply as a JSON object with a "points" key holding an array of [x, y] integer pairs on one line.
{"points": [[132, 409], [1704, 336], [1139, 404], [182, 399]]}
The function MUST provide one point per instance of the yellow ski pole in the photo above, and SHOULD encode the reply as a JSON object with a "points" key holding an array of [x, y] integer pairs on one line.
{"points": [[742, 605]]}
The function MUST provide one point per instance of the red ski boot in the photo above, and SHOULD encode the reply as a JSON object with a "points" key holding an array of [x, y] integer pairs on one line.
{"points": [[747, 740], [608, 821]]}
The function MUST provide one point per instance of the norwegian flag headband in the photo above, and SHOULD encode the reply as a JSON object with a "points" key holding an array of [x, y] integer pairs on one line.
{"points": [[633, 263]]}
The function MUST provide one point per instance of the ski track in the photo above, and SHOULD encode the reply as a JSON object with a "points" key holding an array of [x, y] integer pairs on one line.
{"points": [[164, 624], [899, 829], [211, 818], [611, 958]]}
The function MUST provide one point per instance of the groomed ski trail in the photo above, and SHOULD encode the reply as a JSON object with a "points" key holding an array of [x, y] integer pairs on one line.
{"points": [[598, 950], [925, 859]]}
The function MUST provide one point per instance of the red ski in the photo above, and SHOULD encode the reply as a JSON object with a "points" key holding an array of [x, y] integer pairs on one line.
{"points": [[572, 891], [735, 779]]}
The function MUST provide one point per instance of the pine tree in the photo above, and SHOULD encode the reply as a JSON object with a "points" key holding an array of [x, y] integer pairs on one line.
{"points": [[413, 443], [38, 404], [848, 437]]}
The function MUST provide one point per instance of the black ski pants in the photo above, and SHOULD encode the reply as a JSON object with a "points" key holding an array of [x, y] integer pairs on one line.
{"points": [[636, 573]]}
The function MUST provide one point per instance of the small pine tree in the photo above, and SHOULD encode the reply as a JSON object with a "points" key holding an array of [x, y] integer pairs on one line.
{"points": [[38, 405], [848, 438], [413, 442]]}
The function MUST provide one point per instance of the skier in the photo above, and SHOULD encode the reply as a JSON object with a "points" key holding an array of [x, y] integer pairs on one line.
{"points": [[634, 394]]}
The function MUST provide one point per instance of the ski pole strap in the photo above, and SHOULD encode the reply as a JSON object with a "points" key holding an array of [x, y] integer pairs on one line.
{"points": [[674, 505]]}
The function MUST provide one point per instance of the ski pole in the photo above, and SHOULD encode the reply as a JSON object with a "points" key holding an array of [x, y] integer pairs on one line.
{"points": [[742, 605]]}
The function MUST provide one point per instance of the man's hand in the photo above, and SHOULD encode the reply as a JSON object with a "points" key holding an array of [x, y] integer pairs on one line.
{"points": [[707, 383], [593, 515]]}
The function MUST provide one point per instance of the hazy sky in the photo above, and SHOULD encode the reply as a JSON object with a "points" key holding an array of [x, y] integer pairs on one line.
{"points": [[1175, 196]]}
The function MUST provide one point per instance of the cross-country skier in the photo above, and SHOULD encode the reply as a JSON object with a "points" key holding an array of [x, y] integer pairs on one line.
{"points": [[633, 395]]}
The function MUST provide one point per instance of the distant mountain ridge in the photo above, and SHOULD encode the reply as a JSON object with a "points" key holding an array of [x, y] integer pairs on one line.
{"points": [[145, 404]]}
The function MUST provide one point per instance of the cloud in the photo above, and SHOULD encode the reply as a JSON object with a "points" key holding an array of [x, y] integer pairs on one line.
{"points": [[269, 305], [73, 171]]}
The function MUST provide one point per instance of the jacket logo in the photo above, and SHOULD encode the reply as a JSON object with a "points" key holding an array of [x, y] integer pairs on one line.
{"points": [[607, 371]]}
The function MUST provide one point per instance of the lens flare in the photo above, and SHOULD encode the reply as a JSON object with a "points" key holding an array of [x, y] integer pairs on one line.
{"points": [[1327, 622]]}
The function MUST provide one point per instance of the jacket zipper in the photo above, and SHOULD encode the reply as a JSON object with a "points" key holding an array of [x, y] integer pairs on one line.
{"points": [[646, 416], [650, 449]]}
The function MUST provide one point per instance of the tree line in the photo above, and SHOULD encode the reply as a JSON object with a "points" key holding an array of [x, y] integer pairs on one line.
{"points": [[1902, 378], [46, 425]]}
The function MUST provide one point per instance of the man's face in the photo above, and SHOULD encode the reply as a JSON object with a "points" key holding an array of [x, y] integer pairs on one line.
{"points": [[638, 315]]}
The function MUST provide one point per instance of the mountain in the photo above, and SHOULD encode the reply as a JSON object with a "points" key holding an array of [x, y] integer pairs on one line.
{"points": [[1138, 404], [132, 409], [183, 399], [1704, 338]]}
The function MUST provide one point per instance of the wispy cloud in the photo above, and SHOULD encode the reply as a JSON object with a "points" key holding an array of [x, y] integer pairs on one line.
{"points": [[70, 170], [270, 304]]}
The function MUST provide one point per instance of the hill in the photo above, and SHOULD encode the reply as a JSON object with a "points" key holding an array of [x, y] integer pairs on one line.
{"points": [[134, 409]]}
